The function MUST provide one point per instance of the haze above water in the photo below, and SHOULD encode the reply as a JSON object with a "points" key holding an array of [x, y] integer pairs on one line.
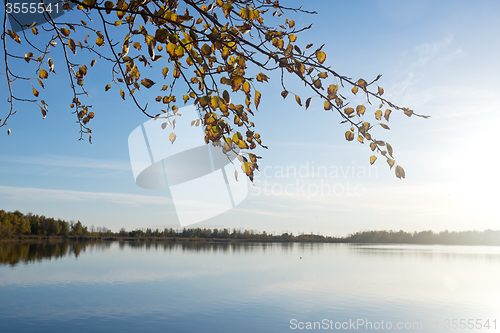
{"points": [[247, 287]]}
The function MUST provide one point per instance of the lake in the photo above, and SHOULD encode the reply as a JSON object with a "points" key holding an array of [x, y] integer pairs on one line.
{"points": [[248, 287]]}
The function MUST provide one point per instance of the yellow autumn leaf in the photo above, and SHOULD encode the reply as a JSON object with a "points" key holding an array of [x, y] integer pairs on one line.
{"points": [[72, 46], [65, 32], [246, 87], [147, 83], [400, 172], [387, 114], [349, 136], [328, 105], [172, 137], [308, 102], [360, 110], [297, 99], [361, 83], [214, 102], [390, 161], [389, 149], [99, 41], [321, 56], [247, 168], [257, 99], [385, 126], [43, 74], [373, 158]]}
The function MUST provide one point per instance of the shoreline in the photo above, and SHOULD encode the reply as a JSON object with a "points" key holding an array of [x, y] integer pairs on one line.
{"points": [[32, 239]]}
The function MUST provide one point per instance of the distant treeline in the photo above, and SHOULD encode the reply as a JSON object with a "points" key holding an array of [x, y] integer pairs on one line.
{"points": [[16, 225]]}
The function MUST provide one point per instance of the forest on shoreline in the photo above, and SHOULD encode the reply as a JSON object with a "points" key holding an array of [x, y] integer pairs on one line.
{"points": [[17, 226]]}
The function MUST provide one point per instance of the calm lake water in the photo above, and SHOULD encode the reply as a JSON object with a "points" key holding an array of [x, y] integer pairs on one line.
{"points": [[248, 287]]}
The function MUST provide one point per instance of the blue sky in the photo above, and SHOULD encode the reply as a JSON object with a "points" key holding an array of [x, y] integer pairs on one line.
{"points": [[438, 58]]}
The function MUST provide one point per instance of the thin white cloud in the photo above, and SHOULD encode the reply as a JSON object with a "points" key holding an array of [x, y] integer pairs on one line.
{"points": [[262, 212], [70, 161], [428, 51], [29, 194]]}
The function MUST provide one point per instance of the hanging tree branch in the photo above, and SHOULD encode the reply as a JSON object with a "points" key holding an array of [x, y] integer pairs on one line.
{"points": [[224, 43]]}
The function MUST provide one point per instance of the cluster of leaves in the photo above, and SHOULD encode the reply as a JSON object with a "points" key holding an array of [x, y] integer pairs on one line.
{"points": [[220, 50]]}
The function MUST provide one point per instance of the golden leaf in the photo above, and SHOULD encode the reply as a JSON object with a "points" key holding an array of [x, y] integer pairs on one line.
{"points": [[214, 102], [99, 41], [147, 83], [389, 149], [390, 161], [71, 44], [361, 83], [321, 56], [373, 158], [332, 89], [172, 137], [247, 168], [387, 114], [348, 111], [360, 110], [43, 74], [179, 51], [261, 77], [308, 102], [257, 99], [349, 136], [65, 32], [246, 87], [400, 172], [297, 99], [165, 72]]}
